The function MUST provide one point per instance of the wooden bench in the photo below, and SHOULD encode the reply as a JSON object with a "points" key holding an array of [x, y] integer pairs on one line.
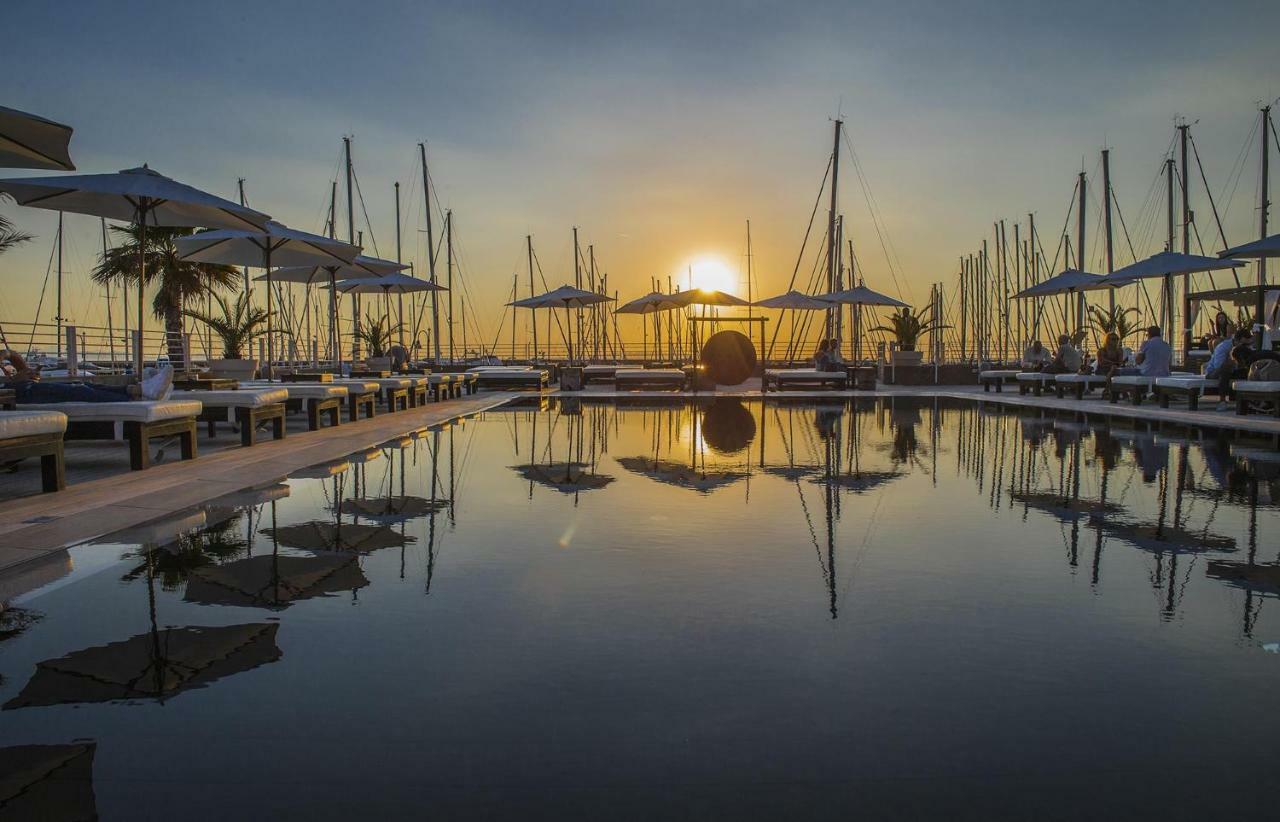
{"points": [[781, 379], [988, 379], [636, 378], [26, 434], [1033, 381], [1189, 388], [247, 408], [1250, 393], [1079, 384]]}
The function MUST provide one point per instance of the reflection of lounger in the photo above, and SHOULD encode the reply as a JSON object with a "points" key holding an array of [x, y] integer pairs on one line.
{"points": [[35, 434], [633, 378], [781, 379], [137, 421], [247, 407], [1079, 384], [1192, 388], [500, 378], [1251, 393], [987, 379], [1033, 381]]}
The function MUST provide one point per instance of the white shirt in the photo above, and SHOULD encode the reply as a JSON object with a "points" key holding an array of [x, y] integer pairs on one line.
{"points": [[1157, 357]]}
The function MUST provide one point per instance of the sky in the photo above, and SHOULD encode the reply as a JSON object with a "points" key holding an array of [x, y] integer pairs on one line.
{"points": [[657, 128]]}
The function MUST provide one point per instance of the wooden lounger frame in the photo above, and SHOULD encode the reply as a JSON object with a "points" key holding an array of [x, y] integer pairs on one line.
{"points": [[315, 407], [138, 434], [1193, 393], [999, 381], [1244, 397], [512, 381], [358, 398], [248, 420], [664, 381], [48, 447], [840, 379]]}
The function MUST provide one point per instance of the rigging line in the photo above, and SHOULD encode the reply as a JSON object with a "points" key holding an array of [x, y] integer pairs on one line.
{"points": [[1217, 219], [881, 233], [1129, 241], [53, 250], [364, 210], [800, 257], [1237, 169]]}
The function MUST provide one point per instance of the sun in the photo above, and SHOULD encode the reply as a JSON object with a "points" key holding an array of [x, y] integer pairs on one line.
{"points": [[711, 273]]}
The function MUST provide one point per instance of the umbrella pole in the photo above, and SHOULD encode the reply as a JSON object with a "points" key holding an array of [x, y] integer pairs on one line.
{"points": [[138, 355], [266, 262], [335, 347]]}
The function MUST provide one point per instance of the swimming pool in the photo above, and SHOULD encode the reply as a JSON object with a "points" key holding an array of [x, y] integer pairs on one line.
{"points": [[885, 607]]}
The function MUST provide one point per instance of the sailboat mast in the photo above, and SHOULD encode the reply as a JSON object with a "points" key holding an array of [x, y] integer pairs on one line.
{"points": [[1080, 247], [431, 251], [577, 283], [58, 319], [528, 240], [1106, 221], [1186, 241], [351, 238], [400, 295], [111, 329], [448, 242], [1168, 279], [1264, 203], [335, 350], [244, 270], [832, 258]]}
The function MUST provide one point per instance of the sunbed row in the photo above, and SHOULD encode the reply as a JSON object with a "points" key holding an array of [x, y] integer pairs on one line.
{"points": [[1250, 395], [38, 430]]}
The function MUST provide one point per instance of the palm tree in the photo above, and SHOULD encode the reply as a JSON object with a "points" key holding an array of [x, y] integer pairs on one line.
{"points": [[10, 236], [377, 334], [908, 328], [1106, 321], [178, 280], [238, 326]]}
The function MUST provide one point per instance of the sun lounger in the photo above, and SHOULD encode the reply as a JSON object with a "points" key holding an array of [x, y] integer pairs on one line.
{"points": [[26, 434], [1192, 388], [419, 387], [1251, 394], [1033, 381], [634, 378], [1136, 387], [136, 421], [780, 379], [360, 394], [987, 379], [1079, 384], [507, 378], [246, 407], [394, 390], [470, 383], [598, 373], [315, 398]]}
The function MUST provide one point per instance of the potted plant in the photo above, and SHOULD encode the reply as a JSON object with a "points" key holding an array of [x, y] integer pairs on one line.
{"points": [[376, 336], [237, 327], [907, 329]]}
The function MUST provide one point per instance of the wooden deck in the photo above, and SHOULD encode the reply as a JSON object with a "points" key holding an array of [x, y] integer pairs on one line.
{"points": [[35, 526]]}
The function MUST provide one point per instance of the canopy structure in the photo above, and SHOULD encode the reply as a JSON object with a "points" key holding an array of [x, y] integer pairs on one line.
{"points": [[1070, 281], [566, 296], [31, 141], [139, 196], [703, 296], [273, 244], [1256, 250], [652, 303], [396, 283], [1165, 266], [794, 301]]}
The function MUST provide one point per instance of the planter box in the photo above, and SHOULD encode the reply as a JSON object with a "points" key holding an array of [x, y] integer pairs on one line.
{"points": [[233, 369], [907, 358], [377, 364]]}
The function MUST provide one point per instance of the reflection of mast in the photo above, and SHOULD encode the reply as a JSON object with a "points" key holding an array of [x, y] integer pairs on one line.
{"points": [[431, 517]]}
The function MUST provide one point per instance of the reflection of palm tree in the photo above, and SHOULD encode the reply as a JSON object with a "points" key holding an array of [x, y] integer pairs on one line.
{"points": [[174, 563]]}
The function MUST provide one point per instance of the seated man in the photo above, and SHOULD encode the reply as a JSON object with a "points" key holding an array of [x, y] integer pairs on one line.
{"points": [[1035, 357], [25, 381], [1154, 359], [1221, 366], [1067, 360]]}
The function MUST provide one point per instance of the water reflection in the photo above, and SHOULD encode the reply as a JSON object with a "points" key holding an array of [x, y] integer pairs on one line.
{"points": [[53, 782]]}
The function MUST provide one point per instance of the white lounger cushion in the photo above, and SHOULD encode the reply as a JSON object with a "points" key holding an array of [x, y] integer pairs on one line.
{"points": [[991, 375], [243, 398], [1245, 386], [481, 369], [646, 374], [805, 374], [131, 411], [390, 382], [1084, 378], [1185, 382], [308, 390], [14, 424], [508, 373], [357, 386], [601, 369], [1036, 376]]}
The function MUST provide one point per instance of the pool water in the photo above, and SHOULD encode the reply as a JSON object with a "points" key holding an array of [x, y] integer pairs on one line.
{"points": [[886, 608]]}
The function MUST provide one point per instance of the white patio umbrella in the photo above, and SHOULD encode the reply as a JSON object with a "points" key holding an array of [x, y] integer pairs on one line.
{"points": [[30, 141], [791, 301], [388, 284], [651, 303], [273, 244], [1265, 248], [1165, 266], [566, 296], [1070, 281], [858, 297], [361, 267], [139, 196]]}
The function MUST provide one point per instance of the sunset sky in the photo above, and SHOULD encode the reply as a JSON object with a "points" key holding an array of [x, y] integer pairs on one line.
{"points": [[658, 129]]}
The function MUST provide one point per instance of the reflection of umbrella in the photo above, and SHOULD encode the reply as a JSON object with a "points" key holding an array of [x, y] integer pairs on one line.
{"points": [[1158, 538], [47, 781], [1258, 577], [139, 196], [568, 477], [270, 581], [859, 481], [346, 536], [1064, 507], [392, 509], [28, 141], [679, 474], [151, 665], [324, 470]]}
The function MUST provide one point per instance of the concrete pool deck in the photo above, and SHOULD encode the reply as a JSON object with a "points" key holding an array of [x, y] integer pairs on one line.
{"points": [[108, 497]]}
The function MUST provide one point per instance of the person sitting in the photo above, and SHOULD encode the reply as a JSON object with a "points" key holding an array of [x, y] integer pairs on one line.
{"points": [[1110, 355], [28, 389], [1067, 359], [822, 357], [1224, 366], [1154, 359], [838, 361], [1036, 357]]}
